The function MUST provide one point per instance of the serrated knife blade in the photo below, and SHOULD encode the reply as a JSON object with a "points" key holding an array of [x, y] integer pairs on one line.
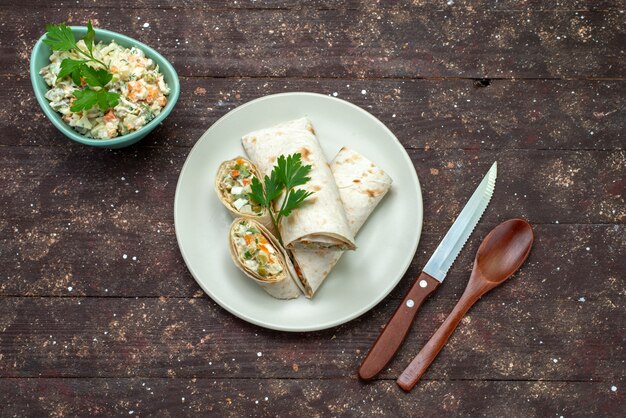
{"points": [[396, 330], [451, 245]]}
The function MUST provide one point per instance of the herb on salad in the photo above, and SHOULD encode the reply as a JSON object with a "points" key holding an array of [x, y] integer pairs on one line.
{"points": [[288, 173], [60, 38]]}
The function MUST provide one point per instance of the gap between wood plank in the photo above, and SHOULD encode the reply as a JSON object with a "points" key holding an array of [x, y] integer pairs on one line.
{"points": [[408, 148], [347, 379], [168, 220], [426, 6], [355, 79], [204, 295]]}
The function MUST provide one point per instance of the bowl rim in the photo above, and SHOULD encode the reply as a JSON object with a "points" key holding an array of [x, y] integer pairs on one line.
{"points": [[68, 130]]}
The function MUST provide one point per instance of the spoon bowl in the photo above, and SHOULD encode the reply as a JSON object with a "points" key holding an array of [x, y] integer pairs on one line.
{"points": [[503, 250], [501, 253]]}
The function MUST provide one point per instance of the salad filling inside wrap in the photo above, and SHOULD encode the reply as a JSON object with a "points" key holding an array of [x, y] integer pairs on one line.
{"points": [[232, 185], [259, 255]]}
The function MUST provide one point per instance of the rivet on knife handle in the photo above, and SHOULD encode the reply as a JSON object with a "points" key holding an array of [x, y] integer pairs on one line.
{"points": [[396, 330]]}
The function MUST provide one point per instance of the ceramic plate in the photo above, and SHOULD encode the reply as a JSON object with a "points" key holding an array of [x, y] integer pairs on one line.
{"points": [[362, 278]]}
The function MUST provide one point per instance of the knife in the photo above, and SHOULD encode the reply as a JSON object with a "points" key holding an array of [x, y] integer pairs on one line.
{"points": [[435, 270]]}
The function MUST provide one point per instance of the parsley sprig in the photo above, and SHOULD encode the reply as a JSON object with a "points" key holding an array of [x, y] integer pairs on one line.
{"points": [[61, 38], [288, 173]]}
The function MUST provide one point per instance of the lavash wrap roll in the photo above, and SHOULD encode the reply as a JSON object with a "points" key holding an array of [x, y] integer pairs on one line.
{"points": [[321, 222], [283, 286], [264, 217], [362, 185]]}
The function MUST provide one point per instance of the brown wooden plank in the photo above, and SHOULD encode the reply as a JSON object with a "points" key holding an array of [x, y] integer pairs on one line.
{"points": [[52, 218], [358, 43], [216, 5], [44, 258], [116, 335], [297, 398], [568, 187], [526, 114], [557, 340]]}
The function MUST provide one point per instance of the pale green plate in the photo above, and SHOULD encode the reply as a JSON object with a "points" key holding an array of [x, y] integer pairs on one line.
{"points": [[386, 243]]}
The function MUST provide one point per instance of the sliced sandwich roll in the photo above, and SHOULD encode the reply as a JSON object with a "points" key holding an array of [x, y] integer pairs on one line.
{"points": [[232, 185], [321, 222], [362, 185], [257, 253]]}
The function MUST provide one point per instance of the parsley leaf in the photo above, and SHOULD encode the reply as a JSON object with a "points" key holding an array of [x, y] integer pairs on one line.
{"points": [[69, 66], [287, 174], [76, 77], [107, 100], [88, 98], [95, 78], [60, 37], [90, 37], [265, 196], [257, 194], [291, 171], [85, 100], [293, 201], [79, 68], [273, 186]]}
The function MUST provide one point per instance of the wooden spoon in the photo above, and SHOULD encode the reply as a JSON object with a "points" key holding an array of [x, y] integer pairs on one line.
{"points": [[500, 254]]}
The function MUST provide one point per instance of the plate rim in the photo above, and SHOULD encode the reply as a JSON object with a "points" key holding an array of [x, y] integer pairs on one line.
{"points": [[328, 324]]}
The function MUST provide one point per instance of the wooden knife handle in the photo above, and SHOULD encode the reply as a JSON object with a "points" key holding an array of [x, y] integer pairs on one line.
{"points": [[396, 330], [413, 373]]}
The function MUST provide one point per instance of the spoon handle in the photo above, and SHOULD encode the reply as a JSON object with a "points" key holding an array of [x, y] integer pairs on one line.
{"points": [[412, 374]]}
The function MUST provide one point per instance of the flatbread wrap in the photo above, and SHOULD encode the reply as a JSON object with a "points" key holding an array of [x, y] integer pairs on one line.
{"points": [[257, 253], [362, 185], [232, 185], [321, 222]]}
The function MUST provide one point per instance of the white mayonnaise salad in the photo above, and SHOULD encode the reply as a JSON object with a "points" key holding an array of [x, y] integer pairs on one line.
{"points": [[136, 78]]}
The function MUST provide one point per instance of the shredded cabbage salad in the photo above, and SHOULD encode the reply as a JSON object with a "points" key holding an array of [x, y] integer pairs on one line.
{"points": [[136, 78]]}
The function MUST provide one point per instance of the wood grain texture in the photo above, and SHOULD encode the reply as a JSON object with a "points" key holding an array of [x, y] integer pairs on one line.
{"points": [[317, 398], [99, 315], [500, 339], [36, 261], [414, 5], [133, 185], [366, 42], [431, 114]]}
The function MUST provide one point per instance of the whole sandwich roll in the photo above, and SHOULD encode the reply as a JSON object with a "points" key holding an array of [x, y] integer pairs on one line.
{"points": [[321, 222], [259, 255], [362, 185], [232, 185]]}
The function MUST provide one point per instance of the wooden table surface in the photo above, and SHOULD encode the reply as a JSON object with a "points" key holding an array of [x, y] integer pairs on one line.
{"points": [[99, 315]]}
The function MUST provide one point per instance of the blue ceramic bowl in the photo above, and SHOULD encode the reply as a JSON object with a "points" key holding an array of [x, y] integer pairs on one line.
{"points": [[40, 57]]}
